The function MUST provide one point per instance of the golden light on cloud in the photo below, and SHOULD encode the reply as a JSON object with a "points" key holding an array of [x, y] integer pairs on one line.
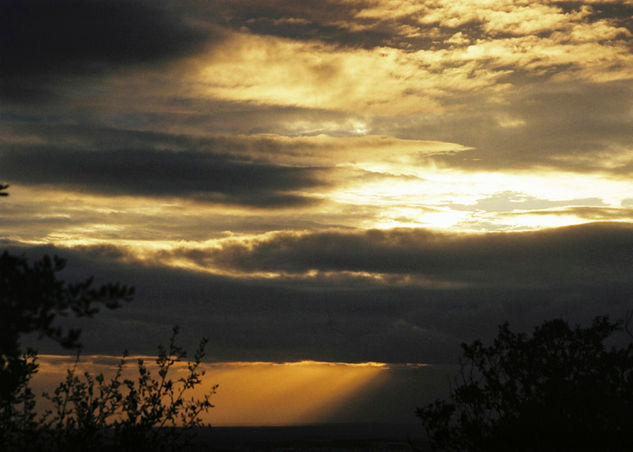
{"points": [[387, 80], [394, 188], [279, 71], [466, 201]]}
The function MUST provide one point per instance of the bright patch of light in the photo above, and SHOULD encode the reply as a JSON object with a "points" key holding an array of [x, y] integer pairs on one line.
{"points": [[251, 393], [436, 198]]}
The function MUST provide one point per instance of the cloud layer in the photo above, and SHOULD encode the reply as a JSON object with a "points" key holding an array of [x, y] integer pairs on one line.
{"points": [[349, 180], [195, 175], [592, 254], [395, 296]]}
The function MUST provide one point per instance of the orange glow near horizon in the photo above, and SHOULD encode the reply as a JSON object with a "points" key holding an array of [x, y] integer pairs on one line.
{"points": [[289, 393], [249, 393]]}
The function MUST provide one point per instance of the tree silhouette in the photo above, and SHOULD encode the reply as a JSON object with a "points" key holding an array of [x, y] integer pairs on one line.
{"points": [[149, 413], [31, 298], [89, 411], [561, 389]]}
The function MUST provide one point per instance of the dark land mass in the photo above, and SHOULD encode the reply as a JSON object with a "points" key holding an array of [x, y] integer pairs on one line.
{"points": [[326, 437]]}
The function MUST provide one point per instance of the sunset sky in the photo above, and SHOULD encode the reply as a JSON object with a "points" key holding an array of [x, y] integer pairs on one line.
{"points": [[351, 186]]}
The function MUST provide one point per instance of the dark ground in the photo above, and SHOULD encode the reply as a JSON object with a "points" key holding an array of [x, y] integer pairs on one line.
{"points": [[329, 437]]}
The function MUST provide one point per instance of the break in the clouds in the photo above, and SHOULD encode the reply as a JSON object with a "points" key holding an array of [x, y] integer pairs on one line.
{"points": [[350, 180]]}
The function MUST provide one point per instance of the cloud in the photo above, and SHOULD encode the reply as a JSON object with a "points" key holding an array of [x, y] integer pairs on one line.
{"points": [[390, 80], [198, 175], [396, 56], [46, 43], [586, 212], [509, 201], [338, 147], [412, 25], [567, 126], [554, 96], [524, 278], [258, 170], [371, 180], [181, 146], [589, 253]]}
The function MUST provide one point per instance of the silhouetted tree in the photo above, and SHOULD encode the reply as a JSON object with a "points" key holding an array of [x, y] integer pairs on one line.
{"points": [[89, 412], [31, 298], [149, 413], [562, 389]]}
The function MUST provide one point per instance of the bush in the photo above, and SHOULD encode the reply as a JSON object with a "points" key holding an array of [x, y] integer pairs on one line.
{"points": [[31, 299], [150, 413], [561, 389], [89, 412], [94, 413]]}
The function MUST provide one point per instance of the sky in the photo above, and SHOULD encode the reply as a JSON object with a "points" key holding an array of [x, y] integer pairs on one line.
{"points": [[338, 183]]}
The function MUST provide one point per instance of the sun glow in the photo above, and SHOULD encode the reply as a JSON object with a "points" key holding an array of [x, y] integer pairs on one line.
{"points": [[474, 201], [380, 187], [251, 393]]}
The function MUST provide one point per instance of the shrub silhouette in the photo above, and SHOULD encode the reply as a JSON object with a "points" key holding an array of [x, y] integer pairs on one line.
{"points": [[561, 389], [153, 413], [89, 412], [31, 298]]}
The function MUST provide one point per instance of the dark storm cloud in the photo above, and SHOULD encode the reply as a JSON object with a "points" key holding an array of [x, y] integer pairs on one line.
{"points": [[190, 174], [589, 253], [293, 319], [44, 42]]}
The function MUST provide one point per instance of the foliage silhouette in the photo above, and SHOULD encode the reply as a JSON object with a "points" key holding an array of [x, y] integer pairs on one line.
{"points": [[153, 413], [88, 412], [561, 389], [31, 298]]}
